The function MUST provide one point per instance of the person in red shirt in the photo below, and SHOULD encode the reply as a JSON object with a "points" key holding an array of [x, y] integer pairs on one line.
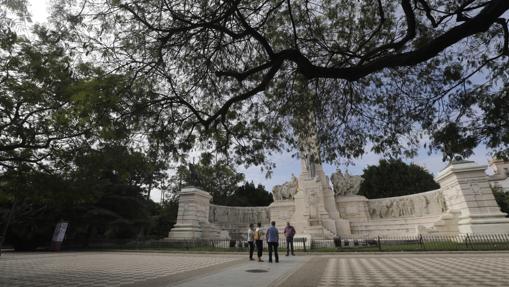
{"points": [[289, 234]]}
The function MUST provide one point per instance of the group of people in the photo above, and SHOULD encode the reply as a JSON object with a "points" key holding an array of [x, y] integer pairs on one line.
{"points": [[255, 238]]}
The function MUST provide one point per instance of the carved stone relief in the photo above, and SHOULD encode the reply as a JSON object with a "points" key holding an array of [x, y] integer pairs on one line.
{"points": [[285, 191], [416, 205], [346, 184]]}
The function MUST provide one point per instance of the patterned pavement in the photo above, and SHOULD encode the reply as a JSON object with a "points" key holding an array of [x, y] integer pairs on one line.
{"points": [[100, 269], [470, 269]]}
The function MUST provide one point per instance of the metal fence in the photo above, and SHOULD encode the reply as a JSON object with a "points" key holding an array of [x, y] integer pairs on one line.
{"points": [[166, 244], [436, 242], [442, 242]]}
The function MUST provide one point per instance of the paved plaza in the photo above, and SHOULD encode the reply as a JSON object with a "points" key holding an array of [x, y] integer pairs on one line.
{"points": [[423, 269], [101, 269], [195, 270]]}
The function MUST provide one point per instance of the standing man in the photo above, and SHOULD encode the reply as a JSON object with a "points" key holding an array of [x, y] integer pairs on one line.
{"points": [[272, 241], [250, 240], [258, 237], [289, 234]]}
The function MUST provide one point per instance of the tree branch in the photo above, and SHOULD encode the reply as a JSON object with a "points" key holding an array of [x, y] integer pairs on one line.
{"points": [[480, 23], [410, 33], [240, 76], [295, 37]]}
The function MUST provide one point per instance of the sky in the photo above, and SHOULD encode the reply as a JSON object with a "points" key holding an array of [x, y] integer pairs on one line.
{"points": [[39, 10], [285, 164]]}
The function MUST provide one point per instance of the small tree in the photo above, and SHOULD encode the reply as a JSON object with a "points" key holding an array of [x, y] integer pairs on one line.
{"points": [[395, 178], [502, 199], [250, 195], [222, 181]]}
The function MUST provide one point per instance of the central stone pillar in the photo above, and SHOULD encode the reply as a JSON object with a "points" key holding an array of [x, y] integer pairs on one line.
{"points": [[316, 214]]}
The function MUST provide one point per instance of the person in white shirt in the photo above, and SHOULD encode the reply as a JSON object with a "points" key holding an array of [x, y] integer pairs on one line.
{"points": [[250, 240]]}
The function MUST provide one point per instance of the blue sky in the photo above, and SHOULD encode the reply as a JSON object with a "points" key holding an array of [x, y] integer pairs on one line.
{"points": [[286, 165]]}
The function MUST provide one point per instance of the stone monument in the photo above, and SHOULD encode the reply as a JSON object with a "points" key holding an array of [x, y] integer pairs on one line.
{"points": [[464, 204], [193, 217]]}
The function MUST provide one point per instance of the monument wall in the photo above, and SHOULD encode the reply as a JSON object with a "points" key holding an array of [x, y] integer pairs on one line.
{"points": [[236, 220], [396, 216], [414, 205]]}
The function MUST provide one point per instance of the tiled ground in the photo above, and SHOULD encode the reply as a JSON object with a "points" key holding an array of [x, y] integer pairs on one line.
{"points": [[165, 269], [98, 269], [417, 270]]}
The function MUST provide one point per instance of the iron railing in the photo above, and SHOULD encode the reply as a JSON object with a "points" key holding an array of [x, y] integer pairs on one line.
{"points": [[435, 242], [167, 244], [438, 242]]}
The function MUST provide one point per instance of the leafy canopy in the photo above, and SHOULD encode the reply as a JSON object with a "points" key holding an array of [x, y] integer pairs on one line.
{"points": [[49, 103], [235, 76]]}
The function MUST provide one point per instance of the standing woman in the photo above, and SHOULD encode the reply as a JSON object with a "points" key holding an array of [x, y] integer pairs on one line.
{"points": [[258, 237], [250, 240]]}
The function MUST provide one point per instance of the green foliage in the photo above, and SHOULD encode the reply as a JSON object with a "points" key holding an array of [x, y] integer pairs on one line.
{"points": [[100, 192], [50, 104], [164, 217], [395, 178], [215, 177], [13, 13], [220, 179], [250, 195], [502, 199]]}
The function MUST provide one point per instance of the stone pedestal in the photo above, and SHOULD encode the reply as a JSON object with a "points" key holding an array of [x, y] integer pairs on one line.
{"points": [[466, 191], [193, 216]]}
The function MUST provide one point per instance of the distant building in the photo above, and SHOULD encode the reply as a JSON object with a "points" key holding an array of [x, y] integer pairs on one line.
{"points": [[500, 178]]}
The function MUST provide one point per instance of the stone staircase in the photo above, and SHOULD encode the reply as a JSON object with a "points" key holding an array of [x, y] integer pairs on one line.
{"points": [[448, 223]]}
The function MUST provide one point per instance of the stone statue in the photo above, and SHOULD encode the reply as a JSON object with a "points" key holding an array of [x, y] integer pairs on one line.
{"points": [[194, 177], [345, 184], [285, 191], [276, 192], [310, 166]]}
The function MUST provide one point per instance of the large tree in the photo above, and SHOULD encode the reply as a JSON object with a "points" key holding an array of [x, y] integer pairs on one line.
{"points": [[394, 178], [48, 104], [373, 73]]}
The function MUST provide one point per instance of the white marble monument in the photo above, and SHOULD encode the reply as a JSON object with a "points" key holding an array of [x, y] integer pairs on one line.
{"points": [[464, 204]]}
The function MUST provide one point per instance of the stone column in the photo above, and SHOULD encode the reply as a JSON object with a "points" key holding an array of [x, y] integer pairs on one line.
{"points": [[316, 214], [466, 190], [193, 213]]}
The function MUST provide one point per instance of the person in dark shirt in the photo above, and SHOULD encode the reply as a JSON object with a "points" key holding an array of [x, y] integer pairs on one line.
{"points": [[272, 241], [289, 233]]}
